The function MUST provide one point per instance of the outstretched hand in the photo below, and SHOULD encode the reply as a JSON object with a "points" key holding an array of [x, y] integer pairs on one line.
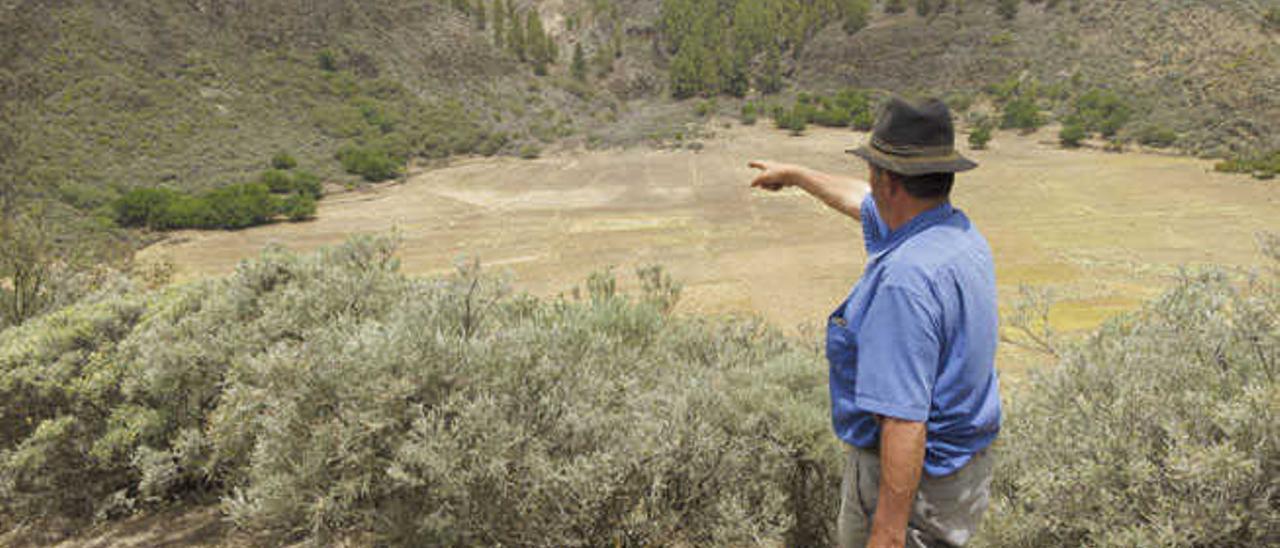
{"points": [[774, 176]]}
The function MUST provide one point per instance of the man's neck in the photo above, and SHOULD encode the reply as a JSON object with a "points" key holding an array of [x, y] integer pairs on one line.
{"points": [[910, 210]]}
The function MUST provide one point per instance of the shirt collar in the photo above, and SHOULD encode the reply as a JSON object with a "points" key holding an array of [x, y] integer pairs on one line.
{"points": [[916, 225]]}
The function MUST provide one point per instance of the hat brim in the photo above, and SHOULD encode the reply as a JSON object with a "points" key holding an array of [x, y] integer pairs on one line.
{"points": [[914, 165]]}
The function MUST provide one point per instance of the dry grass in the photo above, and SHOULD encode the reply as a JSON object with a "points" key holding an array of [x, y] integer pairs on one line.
{"points": [[1105, 231]]}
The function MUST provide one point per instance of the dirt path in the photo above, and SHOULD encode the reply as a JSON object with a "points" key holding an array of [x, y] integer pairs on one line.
{"points": [[1105, 230]]}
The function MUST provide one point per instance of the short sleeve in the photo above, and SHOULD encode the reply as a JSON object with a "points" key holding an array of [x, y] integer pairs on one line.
{"points": [[898, 355], [874, 230]]}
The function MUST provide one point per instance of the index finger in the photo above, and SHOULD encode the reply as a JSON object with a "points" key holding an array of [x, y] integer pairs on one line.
{"points": [[758, 164]]}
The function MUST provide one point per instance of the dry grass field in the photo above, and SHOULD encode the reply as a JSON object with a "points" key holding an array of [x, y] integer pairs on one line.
{"points": [[1102, 230]]}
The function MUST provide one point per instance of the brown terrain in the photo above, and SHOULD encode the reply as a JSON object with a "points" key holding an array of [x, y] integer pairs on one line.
{"points": [[1102, 230]]}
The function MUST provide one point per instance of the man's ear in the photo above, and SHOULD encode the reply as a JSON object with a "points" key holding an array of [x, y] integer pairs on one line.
{"points": [[893, 183]]}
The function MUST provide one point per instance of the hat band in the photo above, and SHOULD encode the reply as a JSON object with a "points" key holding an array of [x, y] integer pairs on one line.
{"points": [[911, 150]]}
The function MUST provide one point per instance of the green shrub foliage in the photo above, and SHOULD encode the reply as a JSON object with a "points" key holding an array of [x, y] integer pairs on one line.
{"points": [[1158, 430], [230, 207], [330, 394], [373, 163], [1102, 111], [1260, 165], [1072, 134], [283, 160], [848, 108], [1008, 9], [721, 47], [1022, 113], [1157, 136], [980, 136]]}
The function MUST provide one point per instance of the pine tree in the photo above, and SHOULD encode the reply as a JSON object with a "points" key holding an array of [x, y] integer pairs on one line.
{"points": [[1008, 9], [499, 24], [515, 37], [855, 15], [769, 81], [686, 80], [535, 39], [579, 64]]}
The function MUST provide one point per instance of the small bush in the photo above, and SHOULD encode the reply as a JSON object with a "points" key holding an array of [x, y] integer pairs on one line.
{"points": [[1271, 21], [980, 136], [277, 181], [793, 120], [1157, 430], [284, 161], [1261, 165], [308, 183], [704, 108], [1157, 136], [530, 151], [1072, 135], [144, 206], [298, 207], [327, 60], [895, 6], [750, 112], [864, 121], [1022, 113], [1103, 111], [240, 205], [370, 162], [1002, 39], [1008, 9], [856, 15]]}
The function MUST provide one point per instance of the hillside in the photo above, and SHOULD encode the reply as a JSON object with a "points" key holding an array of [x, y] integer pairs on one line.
{"points": [[103, 97], [1210, 71]]}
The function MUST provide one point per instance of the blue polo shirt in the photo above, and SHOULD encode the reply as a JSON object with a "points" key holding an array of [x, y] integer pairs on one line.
{"points": [[916, 339]]}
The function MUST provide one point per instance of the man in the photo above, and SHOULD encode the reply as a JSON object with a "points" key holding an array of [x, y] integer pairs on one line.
{"points": [[914, 392]]}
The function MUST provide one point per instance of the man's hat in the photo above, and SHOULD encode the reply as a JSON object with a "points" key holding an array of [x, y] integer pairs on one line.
{"points": [[914, 139]]}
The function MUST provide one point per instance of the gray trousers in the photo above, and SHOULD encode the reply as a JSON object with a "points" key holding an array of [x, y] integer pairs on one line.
{"points": [[946, 512]]}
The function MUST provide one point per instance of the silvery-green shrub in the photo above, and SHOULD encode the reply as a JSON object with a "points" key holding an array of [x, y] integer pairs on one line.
{"points": [[1160, 429], [330, 395]]}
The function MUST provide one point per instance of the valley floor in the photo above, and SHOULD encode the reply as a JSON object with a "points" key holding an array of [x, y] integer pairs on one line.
{"points": [[1102, 230]]}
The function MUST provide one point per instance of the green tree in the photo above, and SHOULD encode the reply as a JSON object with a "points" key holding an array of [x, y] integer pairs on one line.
{"points": [[27, 263], [283, 160], [482, 19], [298, 207], [1022, 113], [515, 37], [980, 136], [1103, 111], [1072, 134], [686, 72], [856, 13], [578, 67], [1008, 9], [1271, 21], [769, 79], [535, 38], [499, 24]]}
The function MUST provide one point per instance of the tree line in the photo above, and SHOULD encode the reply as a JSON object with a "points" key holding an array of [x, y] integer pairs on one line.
{"points": [[522, 33]]}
